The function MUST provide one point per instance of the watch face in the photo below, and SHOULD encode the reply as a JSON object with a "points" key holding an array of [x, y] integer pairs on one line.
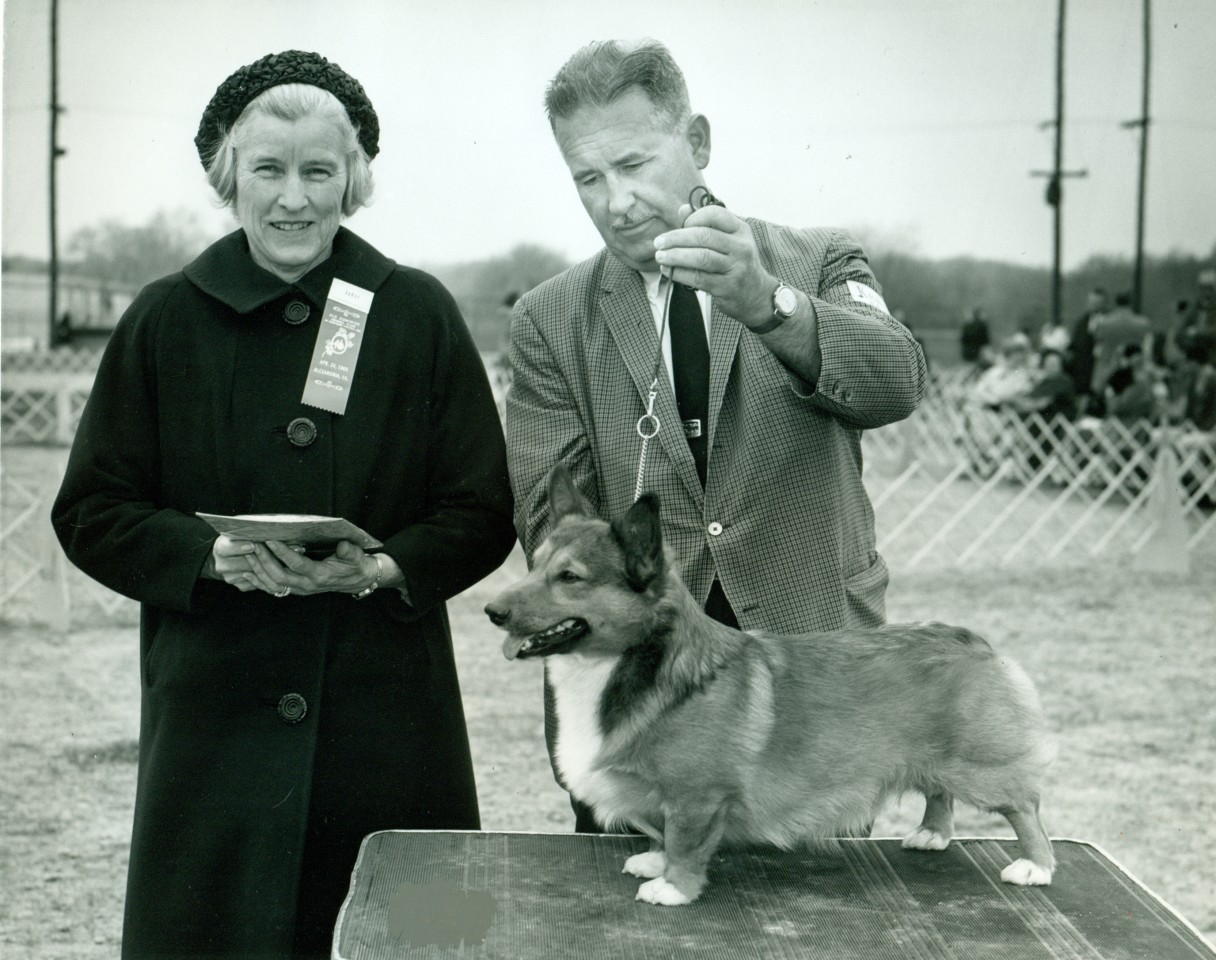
{"points": [[785, 301]]}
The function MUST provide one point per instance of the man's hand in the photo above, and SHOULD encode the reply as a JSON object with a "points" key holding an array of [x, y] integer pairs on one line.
{"points": [[715, 251]]}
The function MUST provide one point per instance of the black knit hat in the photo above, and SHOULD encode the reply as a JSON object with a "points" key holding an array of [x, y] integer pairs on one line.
{"points": [[291, 66]]}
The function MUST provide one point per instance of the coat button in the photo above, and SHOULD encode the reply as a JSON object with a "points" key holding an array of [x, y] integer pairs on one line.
{"points": [[714, 529], [296, 312], [292, 708], [301, 431]]}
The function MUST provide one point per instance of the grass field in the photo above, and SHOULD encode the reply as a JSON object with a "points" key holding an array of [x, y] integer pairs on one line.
{"points": [[1125, 663]]}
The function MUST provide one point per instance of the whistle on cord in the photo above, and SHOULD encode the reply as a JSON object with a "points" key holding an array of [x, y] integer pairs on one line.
{"points": [[701, 197]]}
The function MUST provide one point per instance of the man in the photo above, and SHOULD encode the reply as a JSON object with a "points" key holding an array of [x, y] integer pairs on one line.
{"points": [[1081, 348], [974, 338], [760, 476]]}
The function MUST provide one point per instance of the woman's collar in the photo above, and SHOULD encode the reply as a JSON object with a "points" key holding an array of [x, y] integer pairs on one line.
{"points": [[226, 272]]}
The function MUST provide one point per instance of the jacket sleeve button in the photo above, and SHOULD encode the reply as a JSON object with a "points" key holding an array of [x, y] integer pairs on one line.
{"points": [[292, 708], [301, 431], [296, 312]]}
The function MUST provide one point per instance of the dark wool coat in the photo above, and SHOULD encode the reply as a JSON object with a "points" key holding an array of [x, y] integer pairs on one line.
{"points": [[247, 812]]}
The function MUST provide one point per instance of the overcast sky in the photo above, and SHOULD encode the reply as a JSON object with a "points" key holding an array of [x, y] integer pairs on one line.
{"points": [[916, 122]]}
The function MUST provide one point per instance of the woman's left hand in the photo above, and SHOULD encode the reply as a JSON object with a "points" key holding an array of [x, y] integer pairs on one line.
{"points": [[348, 570]]}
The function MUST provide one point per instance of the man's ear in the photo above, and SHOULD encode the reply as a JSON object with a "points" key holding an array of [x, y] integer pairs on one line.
{"points": [[640, 536], [697, 135], [564, 497]]}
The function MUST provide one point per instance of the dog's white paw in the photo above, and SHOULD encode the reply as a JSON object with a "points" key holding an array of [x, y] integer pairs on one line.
{"points": [[1026, 873], [661, 892], [652, 863], [922, 838]]}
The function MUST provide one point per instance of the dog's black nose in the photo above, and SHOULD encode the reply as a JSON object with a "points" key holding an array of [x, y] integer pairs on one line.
{"points": [[498, 616]]}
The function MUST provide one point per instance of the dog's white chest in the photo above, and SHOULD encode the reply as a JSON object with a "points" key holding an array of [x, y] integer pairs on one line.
{"points": [[577, 684]]}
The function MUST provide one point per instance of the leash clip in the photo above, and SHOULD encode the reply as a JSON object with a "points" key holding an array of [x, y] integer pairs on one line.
{"points": [[648, 424]]}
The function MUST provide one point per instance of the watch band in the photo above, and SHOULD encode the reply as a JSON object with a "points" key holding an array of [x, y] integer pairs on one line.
{"points": [[375, 584], [775, 321]]}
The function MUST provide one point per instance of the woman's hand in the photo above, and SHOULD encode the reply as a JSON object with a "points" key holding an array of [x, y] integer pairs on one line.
{"points": [[348, 570], [233, 562]]}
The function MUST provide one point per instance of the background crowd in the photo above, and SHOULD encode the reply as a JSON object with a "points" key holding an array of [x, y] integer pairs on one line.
{"points": [[1110, 362]]}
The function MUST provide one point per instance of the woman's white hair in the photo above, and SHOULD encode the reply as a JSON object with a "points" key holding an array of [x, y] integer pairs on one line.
{"points": [[294, 101]]}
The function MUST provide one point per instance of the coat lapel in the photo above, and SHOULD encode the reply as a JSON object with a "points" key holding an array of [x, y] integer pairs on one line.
{"points": [[626, 312]]}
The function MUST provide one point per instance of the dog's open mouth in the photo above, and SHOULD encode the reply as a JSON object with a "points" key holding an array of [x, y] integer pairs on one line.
{"points": [[547, 641]]}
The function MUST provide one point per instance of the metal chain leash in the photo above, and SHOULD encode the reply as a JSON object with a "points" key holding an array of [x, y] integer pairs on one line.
{"points": [[648, 425]]}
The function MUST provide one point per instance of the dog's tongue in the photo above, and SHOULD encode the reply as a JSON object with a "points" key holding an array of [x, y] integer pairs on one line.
{"points": [[511, 646]]}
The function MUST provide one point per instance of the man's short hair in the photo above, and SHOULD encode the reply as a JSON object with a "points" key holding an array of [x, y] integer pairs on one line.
{"points": [[605, 69]]}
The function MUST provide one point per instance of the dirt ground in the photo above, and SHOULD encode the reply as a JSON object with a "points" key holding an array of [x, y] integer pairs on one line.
{"points": [[1124, 663]]}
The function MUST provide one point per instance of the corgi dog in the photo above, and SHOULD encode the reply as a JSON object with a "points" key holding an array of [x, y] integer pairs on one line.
{"points": [[698, 735]]}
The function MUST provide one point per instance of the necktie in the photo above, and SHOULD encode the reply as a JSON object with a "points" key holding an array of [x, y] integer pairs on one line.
{"points": [[690, 371]]}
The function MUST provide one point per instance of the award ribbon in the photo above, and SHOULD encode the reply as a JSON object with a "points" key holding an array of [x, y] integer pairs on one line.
{"points": [[339, 338]]}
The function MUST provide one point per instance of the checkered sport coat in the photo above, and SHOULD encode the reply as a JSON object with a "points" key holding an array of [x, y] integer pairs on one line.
{"points": [[784, 521]]}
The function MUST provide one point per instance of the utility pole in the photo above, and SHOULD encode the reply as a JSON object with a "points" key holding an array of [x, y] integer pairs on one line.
{"points": [[1055, 189], [1142, 122], [55, 154]]}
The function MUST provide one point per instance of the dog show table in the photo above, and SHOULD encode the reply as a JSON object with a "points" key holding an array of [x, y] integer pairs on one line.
{"points": [[526, 896]]}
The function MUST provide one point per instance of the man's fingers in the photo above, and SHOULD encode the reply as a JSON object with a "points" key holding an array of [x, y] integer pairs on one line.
{"points": [[693, 237], [719, 218]]}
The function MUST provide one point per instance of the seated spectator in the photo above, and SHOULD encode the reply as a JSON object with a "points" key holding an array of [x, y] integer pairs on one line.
{"points": [[1193, 386], [1010, 377], [1055, 337], [1114, 333], [1130, 394], [1053, 393]]}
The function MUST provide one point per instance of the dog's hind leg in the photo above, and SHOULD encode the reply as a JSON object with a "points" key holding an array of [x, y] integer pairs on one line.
{"points": [[936, 826], [1037, 862], [690, 837]]}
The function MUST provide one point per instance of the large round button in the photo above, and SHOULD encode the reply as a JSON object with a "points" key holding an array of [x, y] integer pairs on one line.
{"points": [[301, 431], [296, 311], [714, 529], [292, 708]]}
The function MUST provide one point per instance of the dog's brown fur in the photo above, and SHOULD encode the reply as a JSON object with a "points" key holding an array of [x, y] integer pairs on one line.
{"points": [[698, 734]]}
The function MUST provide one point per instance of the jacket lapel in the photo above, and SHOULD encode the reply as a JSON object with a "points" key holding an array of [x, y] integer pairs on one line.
{"points": [[626, 313], [723, 341]]}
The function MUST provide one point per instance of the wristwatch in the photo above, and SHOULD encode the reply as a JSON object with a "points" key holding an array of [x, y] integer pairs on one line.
{"points": [[785, 304]]}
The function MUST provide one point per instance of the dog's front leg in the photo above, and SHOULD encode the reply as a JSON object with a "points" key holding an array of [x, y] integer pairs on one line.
{"points": [[690, 837], [653, 862]]}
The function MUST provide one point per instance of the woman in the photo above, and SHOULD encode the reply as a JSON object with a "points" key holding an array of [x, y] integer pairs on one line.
{"points": [[284, 716]]}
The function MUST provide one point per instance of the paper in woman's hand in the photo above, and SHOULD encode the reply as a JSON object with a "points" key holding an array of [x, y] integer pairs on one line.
{"points": [[293, 529]]}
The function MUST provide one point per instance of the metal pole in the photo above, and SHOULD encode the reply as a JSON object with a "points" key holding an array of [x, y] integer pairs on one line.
{"points": [[1138, 285], [1057, 180], [53, 275]]}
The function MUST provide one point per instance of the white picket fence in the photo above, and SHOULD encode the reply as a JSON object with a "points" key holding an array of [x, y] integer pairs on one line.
{"points": [[951, 487]]}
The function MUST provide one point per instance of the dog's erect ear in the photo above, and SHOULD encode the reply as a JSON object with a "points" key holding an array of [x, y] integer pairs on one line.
{"points": [[640, 536], [564, 497]]}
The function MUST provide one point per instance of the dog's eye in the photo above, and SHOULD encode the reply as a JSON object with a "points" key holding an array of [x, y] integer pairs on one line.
{"points": [[568, 576]]}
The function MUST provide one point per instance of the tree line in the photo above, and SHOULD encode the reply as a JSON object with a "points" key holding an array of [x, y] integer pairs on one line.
{"points": [[930, 295]]}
